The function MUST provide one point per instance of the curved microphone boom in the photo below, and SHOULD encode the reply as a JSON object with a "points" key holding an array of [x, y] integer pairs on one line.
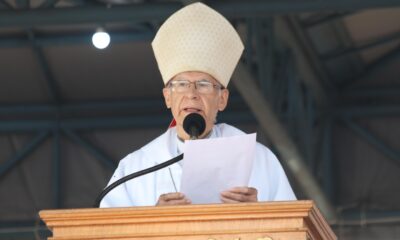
{"points": [[135, 175], [194, 124]]}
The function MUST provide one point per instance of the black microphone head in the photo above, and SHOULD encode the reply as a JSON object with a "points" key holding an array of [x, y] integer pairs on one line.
{"points": [[194, 125]]}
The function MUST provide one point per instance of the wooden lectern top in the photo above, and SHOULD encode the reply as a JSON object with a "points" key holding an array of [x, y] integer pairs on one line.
{"points": [[243, 221]]}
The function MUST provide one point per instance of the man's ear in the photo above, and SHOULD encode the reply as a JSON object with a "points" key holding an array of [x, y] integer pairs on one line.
{"points": [[167, 97], [223, 99]]}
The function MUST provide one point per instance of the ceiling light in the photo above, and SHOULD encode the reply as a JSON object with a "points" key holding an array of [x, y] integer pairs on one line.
{"points": [[101, 39]]}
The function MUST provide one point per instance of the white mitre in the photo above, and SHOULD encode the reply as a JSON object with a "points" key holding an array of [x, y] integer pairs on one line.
{"points": [[197, 38]]}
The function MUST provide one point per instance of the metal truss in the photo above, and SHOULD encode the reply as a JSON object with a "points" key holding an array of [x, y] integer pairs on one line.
{"points": [[53, 88], [88, 12], [159, 11], [21, 230], [392, 154], [329, 108], [21, 154], [361, 46], [335, 111], [279, 104]]}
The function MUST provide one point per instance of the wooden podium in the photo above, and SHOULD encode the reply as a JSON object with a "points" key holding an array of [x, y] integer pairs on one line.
{"points": [[247, 221]]}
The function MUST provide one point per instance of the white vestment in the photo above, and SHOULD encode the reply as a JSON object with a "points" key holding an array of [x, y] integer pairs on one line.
{"points": [[267, 175]]}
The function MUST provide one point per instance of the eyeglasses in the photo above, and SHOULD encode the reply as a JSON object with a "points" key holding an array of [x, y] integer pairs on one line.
{"points": [[202, 86]]}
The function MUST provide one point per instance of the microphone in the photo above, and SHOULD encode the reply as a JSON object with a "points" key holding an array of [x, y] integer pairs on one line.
{"points": [[193, 124]]}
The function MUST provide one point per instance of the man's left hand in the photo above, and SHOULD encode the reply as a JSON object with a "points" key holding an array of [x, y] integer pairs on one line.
{"points": [[239, 194]]}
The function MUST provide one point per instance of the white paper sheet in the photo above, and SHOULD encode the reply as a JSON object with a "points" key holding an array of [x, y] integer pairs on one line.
{"points": [[211, 166]]}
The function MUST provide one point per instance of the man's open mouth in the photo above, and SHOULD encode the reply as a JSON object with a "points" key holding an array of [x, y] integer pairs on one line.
{"points": [[192, 110]]}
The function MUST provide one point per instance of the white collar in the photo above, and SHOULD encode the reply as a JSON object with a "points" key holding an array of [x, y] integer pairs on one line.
{"points": [[180, 144]]}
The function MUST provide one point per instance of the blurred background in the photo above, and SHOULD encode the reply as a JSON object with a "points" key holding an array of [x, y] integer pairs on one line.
{"points": [[319, 82]]}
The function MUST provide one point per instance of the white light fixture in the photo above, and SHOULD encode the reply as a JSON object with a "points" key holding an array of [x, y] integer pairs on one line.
{"points": [[101, 39]]}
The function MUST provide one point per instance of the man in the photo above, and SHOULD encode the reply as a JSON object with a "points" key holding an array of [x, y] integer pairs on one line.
{"points": [[197, 50]]}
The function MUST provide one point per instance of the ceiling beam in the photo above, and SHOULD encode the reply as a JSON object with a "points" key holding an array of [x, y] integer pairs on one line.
{"points": [[124, 122], [372, 139], [376, 68], [50, 82], [68, 39], [368, 111], [312, 72], [361, 46], [138, 106], [10, 163], [5, 4], [371, 92], [314, 21], [106, 160], [22, 4], [362, 217], [49, 3], [93, 14], [160, 11]]}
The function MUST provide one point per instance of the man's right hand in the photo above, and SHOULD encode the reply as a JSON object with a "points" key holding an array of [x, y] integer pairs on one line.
{"points": [[175, 198]]}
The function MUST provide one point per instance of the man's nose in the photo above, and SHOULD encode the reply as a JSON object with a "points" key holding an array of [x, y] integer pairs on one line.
{"points": [[192, 91]]}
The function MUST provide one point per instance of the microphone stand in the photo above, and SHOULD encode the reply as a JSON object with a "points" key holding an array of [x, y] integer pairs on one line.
{"points": [[135, 175]]}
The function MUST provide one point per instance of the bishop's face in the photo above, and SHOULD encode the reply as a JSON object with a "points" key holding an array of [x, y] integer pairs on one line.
{"points": [[184, 99]]}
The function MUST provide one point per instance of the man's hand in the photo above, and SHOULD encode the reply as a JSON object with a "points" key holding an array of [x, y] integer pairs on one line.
{"points": [[175, 198], [239, 194]]}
